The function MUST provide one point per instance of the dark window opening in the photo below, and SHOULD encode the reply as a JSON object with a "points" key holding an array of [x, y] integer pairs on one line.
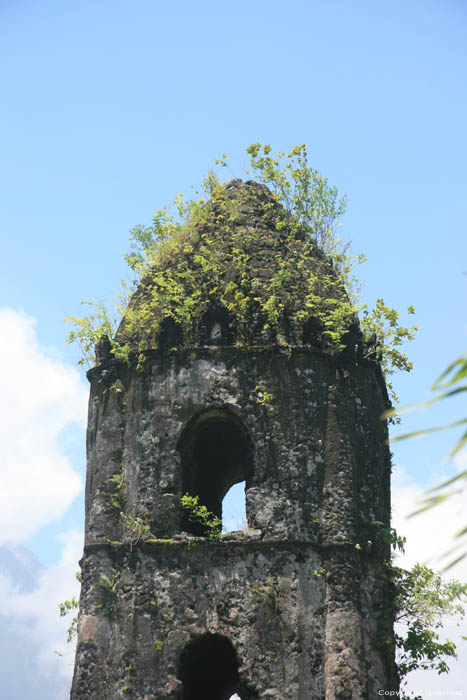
{"points": [[215, 327], [353, 341], [216, 453], [312, 333], [208, 668], [170, 334]]}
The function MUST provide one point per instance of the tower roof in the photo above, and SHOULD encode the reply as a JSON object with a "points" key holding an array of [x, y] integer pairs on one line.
{"points": [[242, 270]]}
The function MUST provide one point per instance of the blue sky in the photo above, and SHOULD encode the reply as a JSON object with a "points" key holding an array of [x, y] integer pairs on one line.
{"points": [[112, 108]]}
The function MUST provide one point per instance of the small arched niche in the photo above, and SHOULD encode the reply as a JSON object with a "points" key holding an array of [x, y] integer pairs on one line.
{"points": [[170, 334], [216, 453], [208, 668], [215, 327], [312, 332]]}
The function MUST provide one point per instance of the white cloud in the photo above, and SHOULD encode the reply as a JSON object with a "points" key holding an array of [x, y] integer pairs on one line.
{"points": [[41, 396], [429, 535], [32, 621]]}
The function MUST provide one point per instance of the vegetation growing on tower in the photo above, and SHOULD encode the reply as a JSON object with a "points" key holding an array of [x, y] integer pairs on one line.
{"points": [[265, 255]]}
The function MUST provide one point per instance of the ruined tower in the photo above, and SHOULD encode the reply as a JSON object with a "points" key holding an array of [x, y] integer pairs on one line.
{"points": [[296, 606]]}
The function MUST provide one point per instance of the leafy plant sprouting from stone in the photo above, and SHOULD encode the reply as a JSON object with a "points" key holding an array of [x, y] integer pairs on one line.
{"points": [[67, 607], [202, 251], [266, 594], [129, 671], [387, 534], [166, 620], [318, 573], [261, 396], [118, 492], [110, 587], [200, 515], [390, 535], [136, 528]]}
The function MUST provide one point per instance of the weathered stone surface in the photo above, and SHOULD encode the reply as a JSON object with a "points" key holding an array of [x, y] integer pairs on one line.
{"points": [[296, 606], [291, 593], [321, 467], [168, 594]]}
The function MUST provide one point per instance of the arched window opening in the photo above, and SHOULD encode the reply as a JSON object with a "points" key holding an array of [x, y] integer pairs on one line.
{"points": [[233, 508], [312, 333], [353, 341], [208, 668], [215, 328], [216, 453], [170, 334]]}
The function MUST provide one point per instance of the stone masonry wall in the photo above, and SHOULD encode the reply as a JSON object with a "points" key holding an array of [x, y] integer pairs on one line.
{"points": [[301, 592]]}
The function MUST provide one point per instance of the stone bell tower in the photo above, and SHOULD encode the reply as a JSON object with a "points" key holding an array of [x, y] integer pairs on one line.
{"points": [[294, 607]]}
